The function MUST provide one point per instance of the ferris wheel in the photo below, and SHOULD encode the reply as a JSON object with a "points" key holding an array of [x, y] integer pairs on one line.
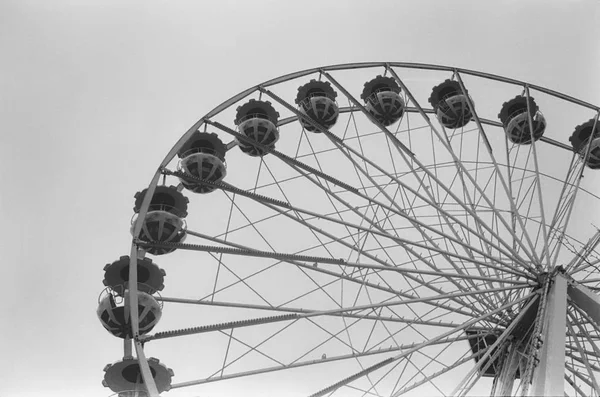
{"points": [[370, 229]]}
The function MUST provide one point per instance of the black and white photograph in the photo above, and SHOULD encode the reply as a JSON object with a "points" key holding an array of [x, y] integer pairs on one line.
{"points": [[319, 198]]}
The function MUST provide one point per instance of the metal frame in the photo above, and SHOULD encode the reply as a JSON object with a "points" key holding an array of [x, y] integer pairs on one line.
{"points": [[546, 375]]}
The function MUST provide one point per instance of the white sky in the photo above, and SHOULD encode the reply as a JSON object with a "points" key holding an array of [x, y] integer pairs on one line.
{"points": [[94, 93]]}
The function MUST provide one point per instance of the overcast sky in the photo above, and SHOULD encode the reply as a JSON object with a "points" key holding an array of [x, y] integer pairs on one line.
{"points": [[94, 93]]}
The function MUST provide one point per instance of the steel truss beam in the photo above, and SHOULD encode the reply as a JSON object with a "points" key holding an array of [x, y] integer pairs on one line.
{"points": [[586, 300]]}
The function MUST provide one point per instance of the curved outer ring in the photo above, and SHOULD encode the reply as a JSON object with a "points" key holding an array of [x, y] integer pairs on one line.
{"points": [[133, 301]]}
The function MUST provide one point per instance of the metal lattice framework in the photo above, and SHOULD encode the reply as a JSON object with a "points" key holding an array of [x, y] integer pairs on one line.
{"points": [[374, 260]]}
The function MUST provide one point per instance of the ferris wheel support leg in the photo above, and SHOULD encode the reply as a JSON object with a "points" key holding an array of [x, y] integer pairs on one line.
{"points": [[586, 300], [548, 379]]}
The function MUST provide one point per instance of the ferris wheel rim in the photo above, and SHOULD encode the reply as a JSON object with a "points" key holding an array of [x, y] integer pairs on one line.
{"points": [[145, 204], [346, 66]]}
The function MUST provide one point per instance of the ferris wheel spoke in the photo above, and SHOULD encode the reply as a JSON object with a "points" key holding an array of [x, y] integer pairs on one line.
{"points": [[577, 389], [362, 390], [358, 361], [391, 335], [457, 161], [415, 224], [322, 244], [284, 158], [564, 208], [503, 183], [523, 184], [227, 227], [404, 367], [581, 377], [364, 159], [369, 230], [416, 348], [467, 196], [351, 98], [436, 248], [264, 199], [225, 187], [262, 237], [545, 252], [336, 276], [417, 227], [423, 168], [337, 210], [393, 367], [565, 203], [304, 363], [373, 257], [585, 336], [388, 302], [314, 234], [296, 310], [238, 277], [415, 221], [580, 347], [456, 364], [312, 260], [231, 325], [459, 164], [253, 349], [580, 359], [430, 381], [580, 260], [331, 337], [587, 320], [585, 280], [246, 251], [447, 367], [328, 189]]}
